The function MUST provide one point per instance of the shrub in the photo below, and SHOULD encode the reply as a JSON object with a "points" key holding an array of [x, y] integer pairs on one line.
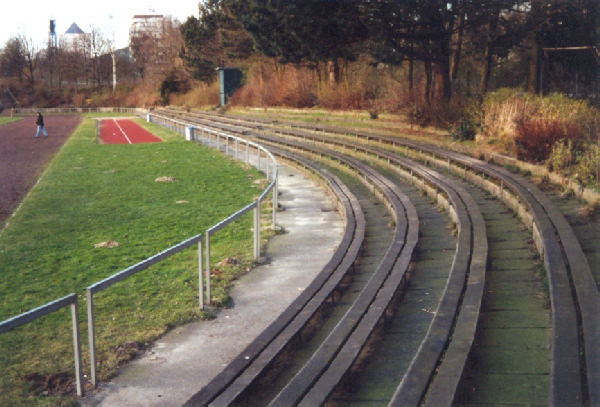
{"points": [[464, 130], [419, 114], [505, 109], [588, 165], [536, 137], [269, 84], [200, 95], [562, 157]]}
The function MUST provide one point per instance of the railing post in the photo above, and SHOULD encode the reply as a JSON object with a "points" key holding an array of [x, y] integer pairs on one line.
{"points": [[247, 152], [207, 267], [77, 348], [91, 335], [258, 150], [257, 230], [267, 169], [275, 194], [200, 275], [189, 133]]}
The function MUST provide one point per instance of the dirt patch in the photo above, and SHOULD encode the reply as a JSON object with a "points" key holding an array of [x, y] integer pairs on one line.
{"points": [[24, 157], [52, 384], [165, 179], [109, 244]]}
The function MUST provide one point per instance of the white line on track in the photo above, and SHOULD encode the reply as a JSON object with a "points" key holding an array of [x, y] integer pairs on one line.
{"points": [[126, 138]]}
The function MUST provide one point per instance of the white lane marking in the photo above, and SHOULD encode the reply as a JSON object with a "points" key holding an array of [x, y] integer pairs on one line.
{"points": [[126, 138]]}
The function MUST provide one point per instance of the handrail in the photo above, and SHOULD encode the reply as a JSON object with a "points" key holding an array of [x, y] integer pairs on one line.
{"points": [[182, 127], [53, 306], [132, 110], [71, 299]]}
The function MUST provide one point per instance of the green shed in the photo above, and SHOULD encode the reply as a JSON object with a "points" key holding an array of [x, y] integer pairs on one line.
{"points": [[230, 80]]}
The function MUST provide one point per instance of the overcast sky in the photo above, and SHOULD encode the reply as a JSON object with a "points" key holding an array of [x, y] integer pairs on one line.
{"points": [[32, 18]]}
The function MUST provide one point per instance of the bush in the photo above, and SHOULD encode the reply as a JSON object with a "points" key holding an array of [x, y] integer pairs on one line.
{"points": [[172, 83], [536, 137], [268, 84], [505, 109], [201, 95], [419, 114], [588, 165], [562, 157], [465, 130]]}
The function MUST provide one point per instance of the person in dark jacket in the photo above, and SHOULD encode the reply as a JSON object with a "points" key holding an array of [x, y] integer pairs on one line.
{"points": [[40, 126]]}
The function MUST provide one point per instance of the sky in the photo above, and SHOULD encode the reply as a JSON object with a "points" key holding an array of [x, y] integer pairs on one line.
{"points": [[32, 18]]}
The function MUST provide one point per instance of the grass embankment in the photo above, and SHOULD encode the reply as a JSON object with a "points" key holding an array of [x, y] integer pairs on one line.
{"points": [[93, 193], [6, 120]]}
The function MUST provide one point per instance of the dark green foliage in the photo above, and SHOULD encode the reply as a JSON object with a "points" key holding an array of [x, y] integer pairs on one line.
{"points": [[171, 84], [214, 39], [307, 30], [465, 130], [195, 35], [568, 24]]}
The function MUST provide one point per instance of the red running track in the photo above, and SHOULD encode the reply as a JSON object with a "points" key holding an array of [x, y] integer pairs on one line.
{"points": [[124, 131]]}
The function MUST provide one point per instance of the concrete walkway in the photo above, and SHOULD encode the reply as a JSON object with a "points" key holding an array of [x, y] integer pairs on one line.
{"points": [[186, 359]]}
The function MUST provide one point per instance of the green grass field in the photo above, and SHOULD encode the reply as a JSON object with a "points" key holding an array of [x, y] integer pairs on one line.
{"points": [[6, 120], [93, 193]]}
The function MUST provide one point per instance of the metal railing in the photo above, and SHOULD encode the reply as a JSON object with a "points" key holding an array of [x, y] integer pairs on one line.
{"points": [[206, 137], [26, 317], [188, 131], [64, 110]]}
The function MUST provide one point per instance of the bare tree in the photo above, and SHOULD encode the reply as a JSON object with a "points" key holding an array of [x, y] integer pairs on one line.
{"points": [[12, 62], [99, 45], [30, 57], [155, 48]]}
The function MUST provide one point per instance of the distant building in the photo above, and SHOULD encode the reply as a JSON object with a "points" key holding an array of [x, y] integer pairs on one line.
{"points": [[75, 39], [146, 24], [146, 41]]}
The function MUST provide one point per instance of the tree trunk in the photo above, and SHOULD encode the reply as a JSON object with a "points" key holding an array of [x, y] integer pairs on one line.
{"points": [[411, 70], [486, 70], [487, 56], [441, 69], [428, 79], [533, 83], [333, 70], [458, 47], [114, 71]]}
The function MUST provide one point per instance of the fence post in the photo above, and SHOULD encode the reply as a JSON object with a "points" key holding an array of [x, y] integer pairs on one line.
{"points": [[247, 152], [91, 334], [77, 348], [258, 166], [189, 133], [275, 197], [200, 275], [257, 230], [207, 267]]}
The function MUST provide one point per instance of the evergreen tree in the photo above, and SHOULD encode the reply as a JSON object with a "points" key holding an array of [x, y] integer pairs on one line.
{"points": [[420, 29], [214, 39], [313, 31]]}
